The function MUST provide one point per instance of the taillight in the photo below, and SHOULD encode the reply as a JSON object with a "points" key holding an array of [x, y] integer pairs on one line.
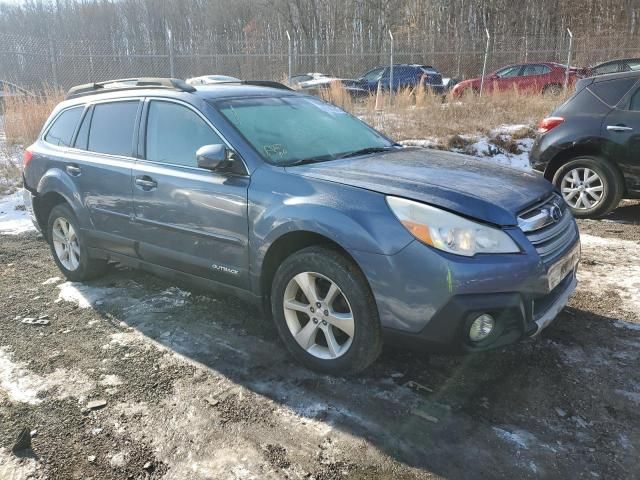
{"points": [[549, 123], [26, 158]]}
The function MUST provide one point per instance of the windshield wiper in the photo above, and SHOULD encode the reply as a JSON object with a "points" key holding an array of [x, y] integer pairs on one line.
{"points": [[365, 151], [306, 161], [325, 158]]}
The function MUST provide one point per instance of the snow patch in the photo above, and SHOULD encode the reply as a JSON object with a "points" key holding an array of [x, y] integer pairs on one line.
{"points": [[24, 386], [627, 325], [519, 438], [82, 295], [51, 281], [14, 219], [633, 396], [14, 468]]}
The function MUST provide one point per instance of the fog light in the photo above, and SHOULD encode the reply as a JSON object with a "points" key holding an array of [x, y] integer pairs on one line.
{"points": [[481, 327]]}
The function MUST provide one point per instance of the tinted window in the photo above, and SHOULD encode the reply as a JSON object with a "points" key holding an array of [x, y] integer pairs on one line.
{"points": [[373, 75], [634, 64], [175, 133], [509, 72], [581, 103], [63, 127], [112, 128], [405, 72], [612, 91], [635, 101], [611, 67], [536, 70]]}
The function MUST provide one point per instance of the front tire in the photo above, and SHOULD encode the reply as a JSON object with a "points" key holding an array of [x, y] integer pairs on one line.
{"points": [[68, 247], [591, 186], [325, 312]]}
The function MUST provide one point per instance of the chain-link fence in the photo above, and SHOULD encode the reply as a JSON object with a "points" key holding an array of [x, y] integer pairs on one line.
{"points": [[35, 62]]}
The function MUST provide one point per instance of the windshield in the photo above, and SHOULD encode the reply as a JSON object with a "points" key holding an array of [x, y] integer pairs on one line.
{"points": [[295, 129]]}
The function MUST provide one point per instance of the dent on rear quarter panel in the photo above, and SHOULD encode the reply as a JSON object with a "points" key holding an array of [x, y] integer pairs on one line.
{"points": [[55, 180], [354, 218]]}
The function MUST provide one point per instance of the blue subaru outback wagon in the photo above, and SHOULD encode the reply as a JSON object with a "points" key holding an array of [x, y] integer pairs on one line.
{"points": [[344, 237]]}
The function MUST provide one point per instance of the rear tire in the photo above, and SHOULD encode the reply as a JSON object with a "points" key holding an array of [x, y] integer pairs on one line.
{"points": [[68, 246], [590, 185], [337, 331], [552, 89]]}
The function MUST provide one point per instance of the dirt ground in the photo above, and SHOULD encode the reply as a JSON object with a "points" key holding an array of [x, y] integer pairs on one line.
{"points": [[195, 386]]}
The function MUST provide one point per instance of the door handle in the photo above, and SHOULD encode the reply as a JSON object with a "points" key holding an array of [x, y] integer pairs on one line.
{"points": [[619, 128], [73, 170], [146, 183]]}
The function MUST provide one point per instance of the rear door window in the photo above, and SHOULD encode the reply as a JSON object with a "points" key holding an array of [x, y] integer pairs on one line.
{"points": [[612, 91], [61, 132], [112, 127], [535, 70], [175, 133]]}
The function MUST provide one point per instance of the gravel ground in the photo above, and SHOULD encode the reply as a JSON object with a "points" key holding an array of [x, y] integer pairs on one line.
{"points": [[133, 377]]}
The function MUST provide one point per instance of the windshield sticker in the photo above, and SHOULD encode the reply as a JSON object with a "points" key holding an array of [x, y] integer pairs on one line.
{"points": [[275, 150]]}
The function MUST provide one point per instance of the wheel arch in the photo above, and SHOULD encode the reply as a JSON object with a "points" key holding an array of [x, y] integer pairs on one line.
{"points": [[285, 246], [54, 188], [577, 150]]}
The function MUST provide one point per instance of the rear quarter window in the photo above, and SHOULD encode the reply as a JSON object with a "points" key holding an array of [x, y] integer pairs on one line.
{"points": [[112, 126], [61, 131], [612, 91], [583, 102]]}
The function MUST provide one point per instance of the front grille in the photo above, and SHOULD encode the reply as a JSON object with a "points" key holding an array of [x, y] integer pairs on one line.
{"points": [[550, 228]]}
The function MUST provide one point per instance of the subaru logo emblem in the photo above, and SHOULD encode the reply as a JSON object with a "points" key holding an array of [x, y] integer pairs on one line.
{"points": [[555, 212]]}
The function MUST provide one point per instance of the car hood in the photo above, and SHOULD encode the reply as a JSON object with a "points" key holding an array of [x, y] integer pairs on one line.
{"points": [[474, 188]]}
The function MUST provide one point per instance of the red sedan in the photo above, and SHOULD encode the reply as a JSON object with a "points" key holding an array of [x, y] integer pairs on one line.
{"points": [[547, 77]]}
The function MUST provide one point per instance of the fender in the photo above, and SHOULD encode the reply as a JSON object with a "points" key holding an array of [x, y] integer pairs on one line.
{"points": [[57, 181], [348, 216]]}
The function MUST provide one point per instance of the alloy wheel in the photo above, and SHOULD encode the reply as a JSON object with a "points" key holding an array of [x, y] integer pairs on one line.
{"points": [[318, 315], [66, 244], [582, 188]]}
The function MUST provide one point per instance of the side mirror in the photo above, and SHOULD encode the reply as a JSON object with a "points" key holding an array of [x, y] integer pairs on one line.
{"points": [[213, 157]]}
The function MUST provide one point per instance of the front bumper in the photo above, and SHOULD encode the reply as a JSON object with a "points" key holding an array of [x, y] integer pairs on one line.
{"points": [[429, 299]]}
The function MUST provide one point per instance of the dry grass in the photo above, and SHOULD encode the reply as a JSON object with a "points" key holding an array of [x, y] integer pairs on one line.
{"points": [[25, 115], [418, 114]]}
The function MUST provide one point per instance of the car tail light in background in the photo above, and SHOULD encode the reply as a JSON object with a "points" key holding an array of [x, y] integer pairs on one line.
{"points": [[26, 158], [549, 123]]}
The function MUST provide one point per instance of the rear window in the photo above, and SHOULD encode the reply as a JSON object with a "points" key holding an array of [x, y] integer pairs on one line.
{"points": [[63, 127], [583, 102], [612, 91], [112, 126]]}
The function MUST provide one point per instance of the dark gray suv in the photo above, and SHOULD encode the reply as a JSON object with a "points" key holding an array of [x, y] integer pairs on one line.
{"points": [[344, 237]]}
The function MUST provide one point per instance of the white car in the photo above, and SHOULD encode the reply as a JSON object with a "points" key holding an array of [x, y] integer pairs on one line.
{"points": [[211, 79], [312, 80]]}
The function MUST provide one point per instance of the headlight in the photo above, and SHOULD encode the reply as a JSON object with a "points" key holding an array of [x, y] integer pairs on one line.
{"points": [[449, 232]]}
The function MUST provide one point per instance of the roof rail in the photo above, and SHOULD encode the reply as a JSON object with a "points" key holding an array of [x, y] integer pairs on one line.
{"points": [[266, 83], [255, 83], [129, 84]]}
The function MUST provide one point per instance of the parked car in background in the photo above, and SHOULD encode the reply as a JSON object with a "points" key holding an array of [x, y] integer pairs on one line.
{"points": [[590, 146], [312, 80], [404, 76], [211, 79], [344, 236], [613, 66], [544, 77]]}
